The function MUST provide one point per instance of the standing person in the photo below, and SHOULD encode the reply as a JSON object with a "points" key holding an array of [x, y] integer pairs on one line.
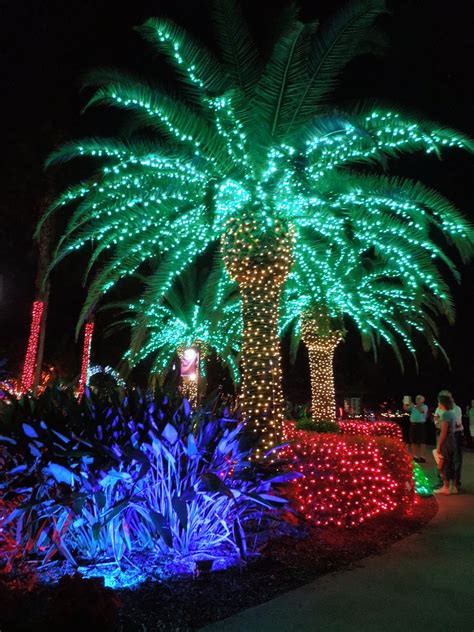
{"points": [[446, 447], [458, 432], [418, 413], [470, 416]]}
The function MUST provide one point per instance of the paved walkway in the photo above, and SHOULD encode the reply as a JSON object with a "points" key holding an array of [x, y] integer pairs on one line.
{"points": [[424, 582]]}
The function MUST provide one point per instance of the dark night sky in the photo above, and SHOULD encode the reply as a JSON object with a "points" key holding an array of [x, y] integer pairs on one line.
{"points": [[47, 45]]}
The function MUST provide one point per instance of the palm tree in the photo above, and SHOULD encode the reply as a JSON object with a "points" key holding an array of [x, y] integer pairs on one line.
{"points": [[249, 155], [200, 312], [386, 299]]}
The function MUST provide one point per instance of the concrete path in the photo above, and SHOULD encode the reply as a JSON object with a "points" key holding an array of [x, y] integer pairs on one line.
{"points": [[424, 582]]}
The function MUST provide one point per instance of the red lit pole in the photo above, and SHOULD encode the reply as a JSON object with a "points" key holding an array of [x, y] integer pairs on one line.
{"points": [[86, 354], [42, 332], [29, 366]]}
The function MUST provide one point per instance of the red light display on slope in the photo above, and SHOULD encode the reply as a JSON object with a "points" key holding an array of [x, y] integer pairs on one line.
{"points": [[372, 429], [347, 480]]}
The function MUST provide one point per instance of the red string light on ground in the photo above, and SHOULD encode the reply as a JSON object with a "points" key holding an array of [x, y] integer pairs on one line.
{"points": [[86, 353], [372, 429], [347, 480], [28, 374]]}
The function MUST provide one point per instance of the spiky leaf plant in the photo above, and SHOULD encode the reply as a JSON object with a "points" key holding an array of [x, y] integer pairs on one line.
{"points": [[102, 481]]}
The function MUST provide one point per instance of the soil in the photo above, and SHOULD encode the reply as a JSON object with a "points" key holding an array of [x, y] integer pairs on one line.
{"points": [[184, 604]]}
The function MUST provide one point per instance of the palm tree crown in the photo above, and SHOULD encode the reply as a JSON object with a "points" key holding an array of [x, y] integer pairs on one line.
{"points": [[384, 298], [201, 310]]}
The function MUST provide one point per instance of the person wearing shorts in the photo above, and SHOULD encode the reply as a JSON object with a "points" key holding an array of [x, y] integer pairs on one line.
{"points": [[418, 413]]}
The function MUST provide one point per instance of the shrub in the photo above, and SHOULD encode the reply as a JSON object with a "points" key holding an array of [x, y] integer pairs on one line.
{"points": [[296, 412], [348, 479], [326, 426], [107, 479], [372, 429]]}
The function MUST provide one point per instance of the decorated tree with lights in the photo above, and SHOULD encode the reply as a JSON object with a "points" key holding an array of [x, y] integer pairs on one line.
{"points": [[390, 299], [200, 313], [248, 154]]}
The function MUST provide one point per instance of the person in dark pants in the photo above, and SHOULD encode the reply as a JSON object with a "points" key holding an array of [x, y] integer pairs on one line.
{"points": [[418, 413], [458, 434], [446, 447]]}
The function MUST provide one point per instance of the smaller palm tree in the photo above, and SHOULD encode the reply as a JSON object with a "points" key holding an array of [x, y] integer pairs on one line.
{"points": [[200, 312], [385, 300]]}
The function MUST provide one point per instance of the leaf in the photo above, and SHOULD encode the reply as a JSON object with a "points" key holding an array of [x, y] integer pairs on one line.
{"points": [[126, 534], [186, 408], [34, 450], [239, 53], [170, 433], [7, 440], [96, 527], [79, 503], [60, 436], [100, 499], [192, 447], [332, 48], [181, 508], [212, 483], [60, 473], [285, 478], [162, 527], [18, 469], [240, 538], [30, 431], [271, 502]]}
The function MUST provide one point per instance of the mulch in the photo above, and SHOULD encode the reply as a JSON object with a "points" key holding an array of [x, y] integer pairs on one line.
{"points": [[184, 604]]}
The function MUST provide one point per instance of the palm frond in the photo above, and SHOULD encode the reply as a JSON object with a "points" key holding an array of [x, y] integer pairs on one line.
{"points": [[283, 79], [333, 46], [194, 63], [239, 54]]}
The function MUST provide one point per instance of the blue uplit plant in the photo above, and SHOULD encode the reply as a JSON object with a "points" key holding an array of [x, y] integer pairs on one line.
{"points": [[130, 476]]}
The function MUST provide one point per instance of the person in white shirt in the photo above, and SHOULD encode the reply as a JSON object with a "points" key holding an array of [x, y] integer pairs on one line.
{"points": [[458, 435], [418, 413]]}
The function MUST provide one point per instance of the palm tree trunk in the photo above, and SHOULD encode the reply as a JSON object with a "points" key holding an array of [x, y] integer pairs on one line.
{"points": [[258, 256], [323, 399], [261, 391], [321, 339]]}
